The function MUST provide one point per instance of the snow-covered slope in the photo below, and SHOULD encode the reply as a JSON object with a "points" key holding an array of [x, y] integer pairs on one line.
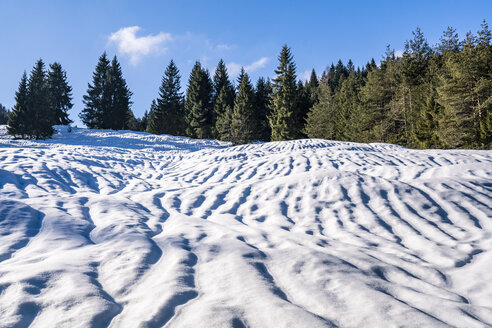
{"points": [[128, 229]]}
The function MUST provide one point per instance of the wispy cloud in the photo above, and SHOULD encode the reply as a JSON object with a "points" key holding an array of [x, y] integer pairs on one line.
{"points": [[305, 76], [135, 47], [398, 53], [223, 47], [234, 68]]}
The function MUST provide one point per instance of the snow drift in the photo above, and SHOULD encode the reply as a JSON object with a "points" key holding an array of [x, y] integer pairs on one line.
{"points": [[125, 229]]}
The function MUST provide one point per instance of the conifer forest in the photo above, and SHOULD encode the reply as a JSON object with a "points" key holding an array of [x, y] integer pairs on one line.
{"points": [[430, 96]]}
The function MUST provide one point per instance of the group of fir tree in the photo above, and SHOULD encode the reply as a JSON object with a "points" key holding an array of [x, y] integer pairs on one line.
{"points": [[212, 108], [428, 97], [42, 101], [108, 99], [437, 97]]}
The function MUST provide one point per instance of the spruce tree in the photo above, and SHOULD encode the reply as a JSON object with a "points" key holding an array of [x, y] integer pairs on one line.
{"points": [[198, 103], [320, 119], [169, 113], [18, 122], [312, 88], [243, 122], [38, 104], [143, 122], [284, 118], [263, 94], [97, 100], [108, 98], [221, 84], [118, 116], [224, 116], [60, 94], [152, 120]]}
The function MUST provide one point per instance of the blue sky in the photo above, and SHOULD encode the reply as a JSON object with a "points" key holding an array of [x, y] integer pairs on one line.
{"points": [[145, 35]]}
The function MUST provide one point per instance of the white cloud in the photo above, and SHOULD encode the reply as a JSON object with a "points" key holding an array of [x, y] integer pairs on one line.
{"points": [[305, 76], [398, 53], [136, 47], [223, 47], [234, 68]]}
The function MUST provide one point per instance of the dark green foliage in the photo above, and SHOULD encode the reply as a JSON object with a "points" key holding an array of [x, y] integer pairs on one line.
{"points": [[119, 116], [243, 123], [320, 119], [32, 116], [224, 116], [284, 117], [465, 92], [18, 122], [4, 114], [263, 94], [223, 101], [107, 102], [97, 101], [168, 115], [198, 104], [144, 121], [60, 94]]}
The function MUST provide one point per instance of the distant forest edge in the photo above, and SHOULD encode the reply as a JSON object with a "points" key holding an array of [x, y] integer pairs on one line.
{"points": [[429, 97]]}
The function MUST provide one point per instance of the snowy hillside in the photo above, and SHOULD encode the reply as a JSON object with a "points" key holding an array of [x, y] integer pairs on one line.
{"points": [[125, 229]]}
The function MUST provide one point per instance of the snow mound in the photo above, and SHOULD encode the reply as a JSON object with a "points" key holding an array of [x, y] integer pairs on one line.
{"points": [[126, 229]]}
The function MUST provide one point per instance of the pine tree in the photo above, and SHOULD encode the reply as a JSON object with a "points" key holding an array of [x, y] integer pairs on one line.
{"points": [[224, 118], [60, 94], [38, 103], [224, 90], [243, 122], [144, 121], [284, 116], [263, 94], [97, 100], [466, 94], [4, 115], [347, 123], [152, 120], [108, 98], [312, 88], [118, 116], [303, 106], [198, 104], [169, 115], [18, 122], [320, 119]]}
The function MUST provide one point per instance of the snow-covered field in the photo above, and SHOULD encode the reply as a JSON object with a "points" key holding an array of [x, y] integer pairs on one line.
{"points": [[129, 229]]}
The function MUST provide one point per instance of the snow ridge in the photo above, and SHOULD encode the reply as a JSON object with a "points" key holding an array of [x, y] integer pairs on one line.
{"points": [[126, 229]]}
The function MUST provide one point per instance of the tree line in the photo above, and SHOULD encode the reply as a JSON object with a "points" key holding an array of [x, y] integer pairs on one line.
{"points": [[429, 97]]}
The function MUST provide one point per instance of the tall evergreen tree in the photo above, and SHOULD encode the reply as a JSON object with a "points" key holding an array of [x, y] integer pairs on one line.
{"points": [[223, 99], [263, 94], [97, 100], [169, 115], [243, 121], [466, 94], [18, 122], [224, 116], [312, 88], [119, 116], [198, 103], [108, 98], [32, 116], [284, 120], [60, 94], [320, 119], [38, 103]]}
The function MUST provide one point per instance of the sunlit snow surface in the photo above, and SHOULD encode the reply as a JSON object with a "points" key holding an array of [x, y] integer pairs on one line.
{"points": [[125, 229]]}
